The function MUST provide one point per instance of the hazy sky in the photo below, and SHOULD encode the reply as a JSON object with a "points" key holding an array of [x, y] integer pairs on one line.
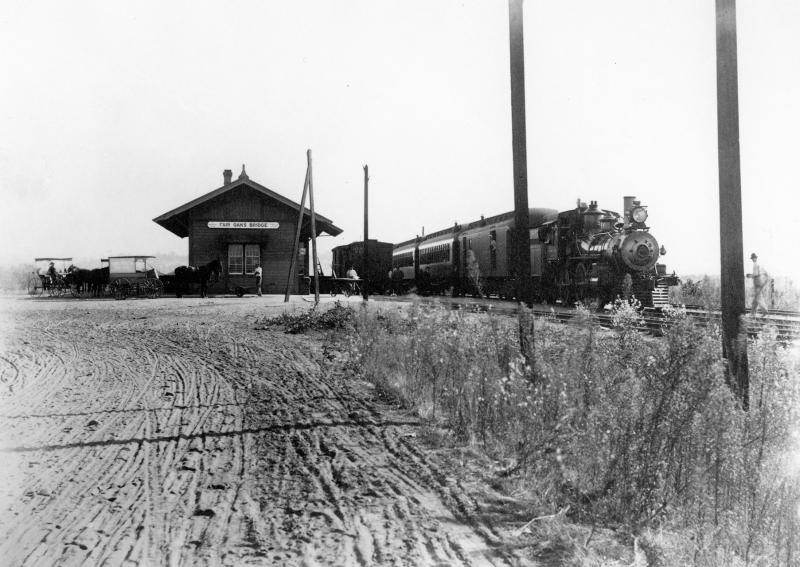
{"points": [[113, 113]]}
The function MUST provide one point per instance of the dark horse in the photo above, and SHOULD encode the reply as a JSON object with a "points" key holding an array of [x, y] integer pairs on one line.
{"points": [[90, 281], [78, 278], [184, 275]]}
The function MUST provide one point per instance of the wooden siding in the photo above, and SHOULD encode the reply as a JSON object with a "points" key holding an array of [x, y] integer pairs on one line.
{"points": [[275, 245]]}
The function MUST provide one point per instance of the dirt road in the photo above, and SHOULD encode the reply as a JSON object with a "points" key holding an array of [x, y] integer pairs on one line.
{"points": [[174, 432]]}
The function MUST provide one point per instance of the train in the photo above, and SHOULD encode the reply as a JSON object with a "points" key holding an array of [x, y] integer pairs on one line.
{"points": [[586, 254]]}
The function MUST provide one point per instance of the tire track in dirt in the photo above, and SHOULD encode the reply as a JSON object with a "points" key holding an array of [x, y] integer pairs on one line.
{"points": [[141, 428], [214, 444], [83, 481]]}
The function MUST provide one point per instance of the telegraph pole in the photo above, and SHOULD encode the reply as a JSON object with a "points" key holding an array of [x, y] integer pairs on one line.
{"points": [[522, 260], [296, 246], [734, 340], [364, 278], [313, 228]]}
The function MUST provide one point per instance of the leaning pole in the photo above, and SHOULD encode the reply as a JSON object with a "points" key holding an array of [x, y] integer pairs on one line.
{"points": [[734, 340], [365, 263], [522, 260]]}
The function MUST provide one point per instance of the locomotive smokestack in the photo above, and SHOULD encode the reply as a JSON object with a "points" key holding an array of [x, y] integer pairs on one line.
{"points": [[627, 206], [226, 176]]}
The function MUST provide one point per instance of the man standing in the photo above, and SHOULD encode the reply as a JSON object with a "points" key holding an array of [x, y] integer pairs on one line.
{"points": [[353, 275], [258, 273], [760, 281]]}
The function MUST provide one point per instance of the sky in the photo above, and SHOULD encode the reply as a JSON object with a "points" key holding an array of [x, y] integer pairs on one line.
{"points": [[113, 113]]}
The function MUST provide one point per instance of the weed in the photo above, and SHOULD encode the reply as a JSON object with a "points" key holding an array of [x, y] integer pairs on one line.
{"points": [[627, 431], [337, 317]]}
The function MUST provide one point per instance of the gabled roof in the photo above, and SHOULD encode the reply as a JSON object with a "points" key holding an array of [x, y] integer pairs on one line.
{"points": [[176, 220]]}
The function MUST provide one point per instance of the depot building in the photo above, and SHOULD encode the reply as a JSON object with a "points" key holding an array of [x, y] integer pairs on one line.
{"points": [[244, 225]]}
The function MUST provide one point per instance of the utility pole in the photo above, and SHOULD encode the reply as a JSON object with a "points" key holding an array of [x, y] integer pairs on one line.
{"points": [[296, 246], [734, 340], [364, 278], [313, 228], [522, 260]]}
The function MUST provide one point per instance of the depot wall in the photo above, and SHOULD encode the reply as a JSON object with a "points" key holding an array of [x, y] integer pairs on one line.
{"points": [[243, 204]]}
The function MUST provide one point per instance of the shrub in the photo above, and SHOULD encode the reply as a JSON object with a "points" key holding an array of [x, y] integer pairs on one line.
{"points": [[625, 429], [337, 317]]}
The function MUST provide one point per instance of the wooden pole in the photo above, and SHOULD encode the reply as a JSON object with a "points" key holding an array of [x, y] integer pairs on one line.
{"points": [[313, 228], [296, 246], [734, 341], [364, 278], [522, 258]]}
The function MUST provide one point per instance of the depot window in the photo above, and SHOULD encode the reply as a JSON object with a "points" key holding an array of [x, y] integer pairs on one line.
{"points": [[243, 258]]}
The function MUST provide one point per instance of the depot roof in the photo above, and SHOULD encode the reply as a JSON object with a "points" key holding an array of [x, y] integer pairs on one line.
{"points": [[177, 220]]}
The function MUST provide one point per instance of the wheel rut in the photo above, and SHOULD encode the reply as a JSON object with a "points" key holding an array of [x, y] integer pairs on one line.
{"points": [[146, 437]]}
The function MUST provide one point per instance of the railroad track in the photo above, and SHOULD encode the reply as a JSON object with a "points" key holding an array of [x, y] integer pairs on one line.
{"points": [[786, 323]]}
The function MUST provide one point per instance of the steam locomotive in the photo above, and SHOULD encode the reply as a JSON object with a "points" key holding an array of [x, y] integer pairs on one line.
{"points": [[585, 254]]}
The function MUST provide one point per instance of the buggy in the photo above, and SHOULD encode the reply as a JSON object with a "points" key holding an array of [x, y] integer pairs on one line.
{"points": [[345, 286], [41, 280], [133, 276]]}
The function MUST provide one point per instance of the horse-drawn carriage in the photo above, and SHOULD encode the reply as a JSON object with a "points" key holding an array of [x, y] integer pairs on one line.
{"points": [[133, 276], [334, 285], [49, 276]]}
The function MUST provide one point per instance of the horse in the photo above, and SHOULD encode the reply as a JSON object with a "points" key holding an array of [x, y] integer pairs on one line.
{"points": [[79, 278], [92, 281], [184, 275], [98, 280]]}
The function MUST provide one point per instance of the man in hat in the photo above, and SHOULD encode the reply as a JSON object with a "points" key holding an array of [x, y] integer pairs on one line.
{"points": [[760, 281], [258, 273]]}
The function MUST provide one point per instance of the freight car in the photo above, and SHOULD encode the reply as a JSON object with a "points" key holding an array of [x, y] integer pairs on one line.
{"points": [[375, 270], [585, 254]]}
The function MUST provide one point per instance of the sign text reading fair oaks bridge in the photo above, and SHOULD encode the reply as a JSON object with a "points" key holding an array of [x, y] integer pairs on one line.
{"points": [[243, 224]]}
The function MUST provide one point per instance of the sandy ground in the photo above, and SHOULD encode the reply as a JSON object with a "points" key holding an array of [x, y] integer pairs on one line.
{"points": [[176, 432]]}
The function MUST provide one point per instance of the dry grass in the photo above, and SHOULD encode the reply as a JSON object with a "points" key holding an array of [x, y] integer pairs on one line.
{"points": [[634, 435]]}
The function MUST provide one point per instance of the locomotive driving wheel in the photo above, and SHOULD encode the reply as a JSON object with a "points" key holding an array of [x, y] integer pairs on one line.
{"points": [[565, 287]]}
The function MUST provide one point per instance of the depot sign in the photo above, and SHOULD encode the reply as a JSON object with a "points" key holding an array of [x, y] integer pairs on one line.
{"points": [[244, 224]]}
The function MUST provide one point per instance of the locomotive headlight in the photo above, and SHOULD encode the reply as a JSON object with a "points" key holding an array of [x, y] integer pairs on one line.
{"points": [[639, 214]]}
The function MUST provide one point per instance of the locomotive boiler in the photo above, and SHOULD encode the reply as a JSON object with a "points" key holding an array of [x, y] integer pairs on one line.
{"points": [[585, 254]]}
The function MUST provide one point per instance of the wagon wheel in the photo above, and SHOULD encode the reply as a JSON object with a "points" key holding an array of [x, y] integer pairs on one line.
{"points": [[121, 288], [35, 285], [156, 288], [147, 289], [81, 290], [55, 289]]}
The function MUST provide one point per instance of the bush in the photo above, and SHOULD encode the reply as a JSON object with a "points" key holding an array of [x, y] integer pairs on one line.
{"points": [[625, 429], [337, 317]]}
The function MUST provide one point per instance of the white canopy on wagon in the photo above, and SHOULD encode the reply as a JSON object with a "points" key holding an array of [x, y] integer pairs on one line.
{"points": [[131, 267]]}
